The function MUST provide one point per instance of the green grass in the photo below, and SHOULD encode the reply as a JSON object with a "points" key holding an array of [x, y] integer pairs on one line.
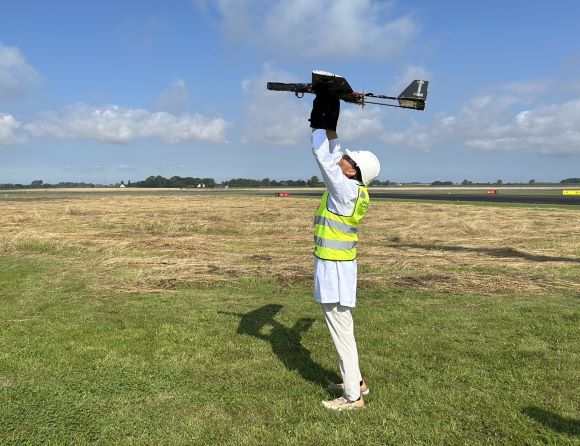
{"points": [[245, 364]]}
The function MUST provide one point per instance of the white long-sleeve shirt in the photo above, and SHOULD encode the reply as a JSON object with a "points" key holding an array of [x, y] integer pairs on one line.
{"points": [[342, 191], [334, 280]]}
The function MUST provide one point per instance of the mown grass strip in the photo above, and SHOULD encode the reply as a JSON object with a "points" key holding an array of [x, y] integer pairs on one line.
{"points": [[246, 363]]}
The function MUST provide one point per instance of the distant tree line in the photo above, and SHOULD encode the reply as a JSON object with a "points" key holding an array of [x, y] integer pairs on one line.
{"points": [[500, 183], [191, 182], [37, 184], [159, 181], [175, 181]]}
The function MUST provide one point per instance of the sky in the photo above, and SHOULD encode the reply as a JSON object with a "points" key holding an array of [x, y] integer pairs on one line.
{"points": [[120, 90]]}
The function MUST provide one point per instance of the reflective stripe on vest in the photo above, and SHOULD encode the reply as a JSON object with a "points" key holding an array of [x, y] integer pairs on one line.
{"points": [[335, 236], [319, 220], [334, 244]]}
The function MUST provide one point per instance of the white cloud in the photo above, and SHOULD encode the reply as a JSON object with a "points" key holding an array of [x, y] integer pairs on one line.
{"points": [[245, 84], [272, 117], [10, 130], [409, 74], [502, 122], [528, 88], [125, 167], [359, 28], [356, 123], [551, 129], [16, 76], [175, 98], [114, 124]]}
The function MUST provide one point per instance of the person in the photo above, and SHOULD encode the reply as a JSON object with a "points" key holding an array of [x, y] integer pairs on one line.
{"points": [[341, 208]]}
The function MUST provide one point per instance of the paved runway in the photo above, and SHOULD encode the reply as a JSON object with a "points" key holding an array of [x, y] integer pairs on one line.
{"points": [[29, 194], [487, 198]]}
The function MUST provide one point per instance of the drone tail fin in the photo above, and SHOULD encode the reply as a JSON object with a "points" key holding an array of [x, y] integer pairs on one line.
{"points": [[415, 95]]}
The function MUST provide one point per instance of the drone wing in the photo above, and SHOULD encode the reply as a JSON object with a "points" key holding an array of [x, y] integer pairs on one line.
{"points": [[331, 82], [336, 84]]}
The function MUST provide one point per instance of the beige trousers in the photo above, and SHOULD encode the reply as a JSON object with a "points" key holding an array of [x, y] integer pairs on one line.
{"points": [[340, 324]]}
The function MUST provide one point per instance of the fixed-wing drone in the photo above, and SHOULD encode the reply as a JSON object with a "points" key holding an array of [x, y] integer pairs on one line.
{"points": [[414, 96]]}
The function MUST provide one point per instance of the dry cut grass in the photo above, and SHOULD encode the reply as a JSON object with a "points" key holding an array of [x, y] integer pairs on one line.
{"points": [[156, 243]]}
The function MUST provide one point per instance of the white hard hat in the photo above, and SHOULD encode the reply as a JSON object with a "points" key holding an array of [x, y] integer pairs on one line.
{"points": [[368, 164]]}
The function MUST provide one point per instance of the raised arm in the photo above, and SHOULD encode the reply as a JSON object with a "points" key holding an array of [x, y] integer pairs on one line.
{"points": [[326, 150]]}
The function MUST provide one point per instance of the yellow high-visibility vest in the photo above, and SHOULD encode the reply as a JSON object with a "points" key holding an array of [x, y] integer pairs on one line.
{"points": [[335, 236]]}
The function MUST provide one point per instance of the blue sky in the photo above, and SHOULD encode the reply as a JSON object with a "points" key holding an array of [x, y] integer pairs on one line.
{"points": [[109, 91]]}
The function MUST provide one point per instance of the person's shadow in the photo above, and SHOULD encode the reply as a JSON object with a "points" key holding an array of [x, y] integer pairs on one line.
{"points": [[285, 341], [554, 421]]}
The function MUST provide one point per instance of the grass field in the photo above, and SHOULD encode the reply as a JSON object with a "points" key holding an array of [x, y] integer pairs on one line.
{"points": [[188, 319]]}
